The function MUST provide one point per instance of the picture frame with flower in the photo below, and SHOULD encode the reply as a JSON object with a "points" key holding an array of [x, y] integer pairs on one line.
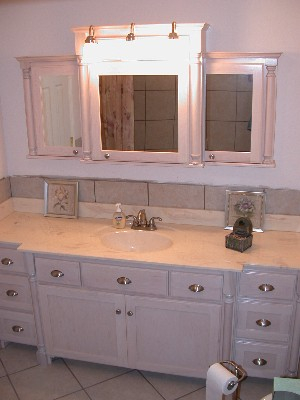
{"points": [[61, 198], [245, 204]]}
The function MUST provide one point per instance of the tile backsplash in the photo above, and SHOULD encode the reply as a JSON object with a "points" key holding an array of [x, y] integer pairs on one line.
{"points": [[169, 195]]}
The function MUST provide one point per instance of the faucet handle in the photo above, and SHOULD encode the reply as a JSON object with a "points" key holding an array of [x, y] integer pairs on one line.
{"points": [[135, 222], [152, 225]]}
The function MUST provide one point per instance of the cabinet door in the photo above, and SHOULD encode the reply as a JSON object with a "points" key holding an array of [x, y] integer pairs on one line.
{"points": [[171, 336], [84, 325]]}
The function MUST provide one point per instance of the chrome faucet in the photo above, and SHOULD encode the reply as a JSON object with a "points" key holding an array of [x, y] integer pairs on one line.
{"points": [[140, 221]]}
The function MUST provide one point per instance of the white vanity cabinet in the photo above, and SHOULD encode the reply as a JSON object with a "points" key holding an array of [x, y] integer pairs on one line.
{"points": [[267, 313], [135, 317], [17, 323]]}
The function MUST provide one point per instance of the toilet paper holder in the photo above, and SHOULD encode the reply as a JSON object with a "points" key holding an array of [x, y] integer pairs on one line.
{"points": [[237, 370]]}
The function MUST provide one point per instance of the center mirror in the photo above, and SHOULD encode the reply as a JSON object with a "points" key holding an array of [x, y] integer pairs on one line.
{"points": [[139, 112]]}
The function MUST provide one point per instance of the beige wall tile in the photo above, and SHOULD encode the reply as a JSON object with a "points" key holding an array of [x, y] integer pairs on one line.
{"points": [[139, 105], [160, 135], [221, 82], [244, 82], [176, 195], [283, 201], [86, 190], [215, 198], [5, 192], [27, 186], [160, 105], [220, 135], [242, 137], [125, 192], [244, 106], [221, 106], [161, 82], [139, 135]]}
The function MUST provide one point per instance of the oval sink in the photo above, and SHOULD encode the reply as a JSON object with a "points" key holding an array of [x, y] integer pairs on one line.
{"points": [[136, 241]]}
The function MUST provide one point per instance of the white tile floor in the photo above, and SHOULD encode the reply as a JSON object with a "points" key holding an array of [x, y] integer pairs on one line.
{"points": [[21, 378]]}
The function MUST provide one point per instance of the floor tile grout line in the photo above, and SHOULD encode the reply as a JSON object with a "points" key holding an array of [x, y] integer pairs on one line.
{"points": [[188, 394], [68, 394], [141, 373], [10, 381]]}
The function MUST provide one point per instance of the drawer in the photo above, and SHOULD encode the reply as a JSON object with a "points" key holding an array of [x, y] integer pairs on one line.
{"points": [[123, 279], [196, 286], [11, 260], [264, 321], [17, 327], [57, 271], [267, 285], [261, 359], [15, 292]]}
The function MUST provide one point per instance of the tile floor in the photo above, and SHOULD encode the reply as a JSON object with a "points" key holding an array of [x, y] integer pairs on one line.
{"points": [[21, 378]]}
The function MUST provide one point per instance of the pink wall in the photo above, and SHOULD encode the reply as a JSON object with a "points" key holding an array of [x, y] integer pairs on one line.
{"points": [[43, 27]]}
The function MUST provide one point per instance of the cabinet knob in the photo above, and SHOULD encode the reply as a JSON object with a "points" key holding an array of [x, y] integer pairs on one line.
{"points": [[75, 152], [266, 287], [196, 288], [107, 155], [118, 311], [6, 261], [259, 362], [212, 156], [56, 273], [130, 313], [17, 328], [11, 293], [123, 280], [263, 322]]}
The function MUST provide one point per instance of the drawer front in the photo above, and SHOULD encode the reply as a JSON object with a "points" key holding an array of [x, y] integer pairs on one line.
{"points": [[260, 359], [11, 260], [17, 327], [264, 321], [15, 292], [267, 285], [57, 271], [124, 280], [196, 286]]}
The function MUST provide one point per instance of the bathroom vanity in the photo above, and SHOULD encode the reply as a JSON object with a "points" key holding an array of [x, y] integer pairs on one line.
{"points": [[175, 310]]}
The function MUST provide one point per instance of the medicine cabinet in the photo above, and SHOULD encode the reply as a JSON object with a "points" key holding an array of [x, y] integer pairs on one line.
{"points": [[240, 108], [52, 105], [151, 94]]}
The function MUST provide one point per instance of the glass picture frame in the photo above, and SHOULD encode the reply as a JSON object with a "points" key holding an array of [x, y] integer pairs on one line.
{"points": [[247, 204], [61, 198]]}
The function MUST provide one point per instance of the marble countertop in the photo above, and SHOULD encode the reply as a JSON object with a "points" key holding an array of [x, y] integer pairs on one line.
{"points": [[194, 246]]}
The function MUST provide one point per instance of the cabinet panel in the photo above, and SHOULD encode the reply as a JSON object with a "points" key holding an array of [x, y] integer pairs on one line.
{"points": [[57, 271], [261, 359], [15, 292], [106, 277], [267, 285], [173, 336], [196, 286], [260, 320], [17, 327], [11, 260], [84, 325]]}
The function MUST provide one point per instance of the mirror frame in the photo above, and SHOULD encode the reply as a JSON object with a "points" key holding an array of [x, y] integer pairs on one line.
{"points": [[263, 68], [32, 68], [151, 53]]}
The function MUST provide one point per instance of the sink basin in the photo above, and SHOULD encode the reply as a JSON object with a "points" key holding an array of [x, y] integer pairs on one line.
{"points": [[136, 241]]}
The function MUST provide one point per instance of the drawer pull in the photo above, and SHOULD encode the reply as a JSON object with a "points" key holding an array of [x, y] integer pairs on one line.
{"points": [[259, 362], [266, 287], [6, 261], [12, 293], [123, 281], [56, 273], [17, 328], [130, 313], [196, 288], [263, 322], [118, 311]]}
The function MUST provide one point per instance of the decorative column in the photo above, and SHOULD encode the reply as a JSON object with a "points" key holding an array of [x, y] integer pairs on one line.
{"points": [[84, 101], [295, 345], [229, 298], [271, 65]]}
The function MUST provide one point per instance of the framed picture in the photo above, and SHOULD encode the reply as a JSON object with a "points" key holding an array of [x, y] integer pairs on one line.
{"points": [[245, 204], [61, 198]]}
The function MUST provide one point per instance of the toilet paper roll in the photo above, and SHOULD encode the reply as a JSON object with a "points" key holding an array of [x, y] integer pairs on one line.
{"points": [[217, 381]]}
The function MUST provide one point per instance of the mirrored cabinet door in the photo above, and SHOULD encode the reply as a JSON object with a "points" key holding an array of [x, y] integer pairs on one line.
{"points": [[240, 108], [51, 90]]}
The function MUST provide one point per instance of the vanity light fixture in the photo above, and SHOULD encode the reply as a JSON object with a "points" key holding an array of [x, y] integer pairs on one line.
{"points": [[173, 34], [131, 35], [91, 37]]}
